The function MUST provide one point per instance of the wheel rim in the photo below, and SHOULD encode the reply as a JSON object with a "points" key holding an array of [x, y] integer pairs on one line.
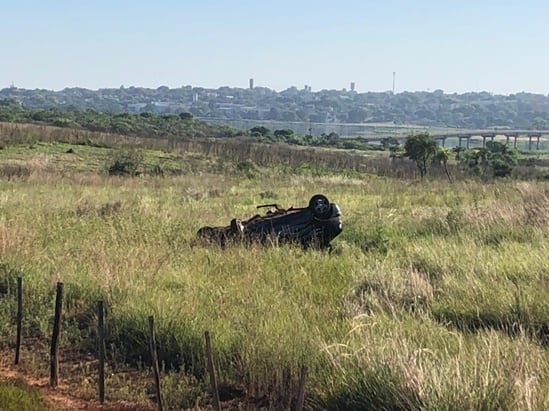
{"points": [[320, 205]]}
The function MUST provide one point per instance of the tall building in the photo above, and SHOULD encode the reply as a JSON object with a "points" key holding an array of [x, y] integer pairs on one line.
{"points": [[352, 86], [251, 83]]}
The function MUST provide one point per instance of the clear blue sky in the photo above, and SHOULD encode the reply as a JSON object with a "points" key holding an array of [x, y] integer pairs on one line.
{"points": [[499, 46]]}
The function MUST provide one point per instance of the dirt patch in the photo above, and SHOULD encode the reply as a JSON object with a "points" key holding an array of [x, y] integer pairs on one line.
{"points": [[64, 396]]}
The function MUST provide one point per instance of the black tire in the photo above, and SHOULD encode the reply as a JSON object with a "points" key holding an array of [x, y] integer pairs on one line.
{"points": [[320, 206]]}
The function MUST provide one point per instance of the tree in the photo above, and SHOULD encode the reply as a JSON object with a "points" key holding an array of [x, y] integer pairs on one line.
{"points": [[420, 148], [10, 102], [357, 115], [283, 133], [185, 116], [390, 143], [495, 160], [260, 131], [501, 158], [441, 157]]}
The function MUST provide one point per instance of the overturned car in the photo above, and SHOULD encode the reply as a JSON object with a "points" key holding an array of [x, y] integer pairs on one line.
{"points": [[313, 226]]}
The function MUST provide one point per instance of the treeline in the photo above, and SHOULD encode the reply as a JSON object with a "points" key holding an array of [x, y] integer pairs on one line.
{"points": [[434, 109], [145, 124], [179, 126]]}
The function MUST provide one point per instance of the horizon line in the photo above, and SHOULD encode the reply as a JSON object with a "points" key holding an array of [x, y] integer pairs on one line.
{"points": [[344, 89]]}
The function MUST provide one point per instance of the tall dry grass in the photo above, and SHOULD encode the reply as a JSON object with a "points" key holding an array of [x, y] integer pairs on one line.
{"points": [[435, 296]]}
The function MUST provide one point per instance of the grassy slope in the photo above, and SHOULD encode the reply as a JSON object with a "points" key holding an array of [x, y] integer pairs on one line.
{"points": [[436, 296]]}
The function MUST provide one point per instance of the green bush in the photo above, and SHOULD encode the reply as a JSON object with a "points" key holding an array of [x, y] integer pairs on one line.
{"points": [[125, 162]]}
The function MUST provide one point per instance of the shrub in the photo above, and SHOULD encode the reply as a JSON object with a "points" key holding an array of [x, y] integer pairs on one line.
{"points": [[247, 168], [125, 162]]}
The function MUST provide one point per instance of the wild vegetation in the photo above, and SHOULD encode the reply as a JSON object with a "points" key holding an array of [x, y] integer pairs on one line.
{"points": [[15, 395], [436, 295], [182, 126]]}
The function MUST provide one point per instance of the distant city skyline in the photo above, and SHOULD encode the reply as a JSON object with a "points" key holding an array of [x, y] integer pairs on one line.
{"points": [[458, 47]]}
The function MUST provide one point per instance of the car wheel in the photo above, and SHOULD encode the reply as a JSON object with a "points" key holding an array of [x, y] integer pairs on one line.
{"points": [[320, 206]]}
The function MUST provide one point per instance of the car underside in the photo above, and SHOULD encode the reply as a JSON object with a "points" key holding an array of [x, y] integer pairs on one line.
{"points": [[313, 226]]}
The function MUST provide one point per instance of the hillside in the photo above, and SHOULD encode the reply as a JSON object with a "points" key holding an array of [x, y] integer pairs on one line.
{"points": [[225, 104]]}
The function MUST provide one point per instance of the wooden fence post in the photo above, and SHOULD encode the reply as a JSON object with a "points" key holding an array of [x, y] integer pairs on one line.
{"points": [[211, 370], [101, 336], [54, 352], [301, 394], [19, 318], [154, 357]]}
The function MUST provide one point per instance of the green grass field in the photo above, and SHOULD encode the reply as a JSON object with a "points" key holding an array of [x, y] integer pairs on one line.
{"points": [[436, 295]]}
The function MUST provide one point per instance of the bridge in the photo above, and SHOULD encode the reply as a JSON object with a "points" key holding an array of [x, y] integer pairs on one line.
{"points": [[534, 137], [376, 132]]}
